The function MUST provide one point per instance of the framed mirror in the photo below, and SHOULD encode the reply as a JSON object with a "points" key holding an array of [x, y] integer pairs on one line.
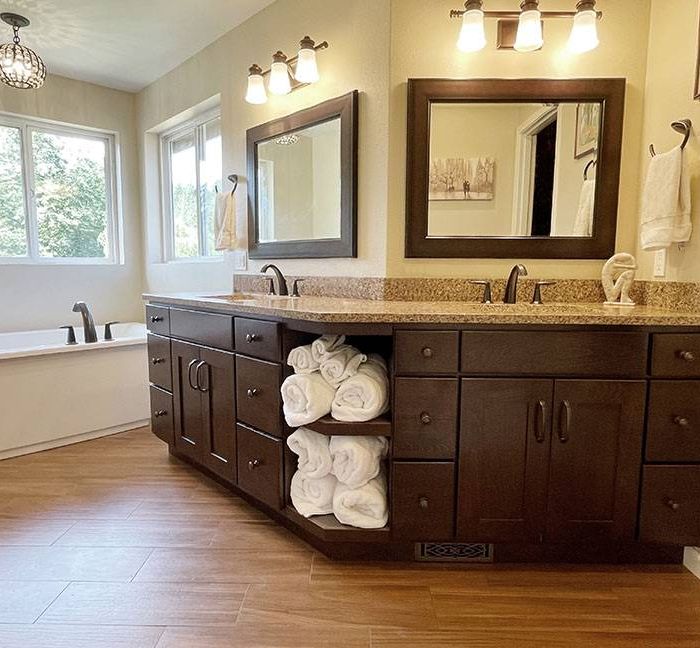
{"points": [[302, 183], [513, 168]]}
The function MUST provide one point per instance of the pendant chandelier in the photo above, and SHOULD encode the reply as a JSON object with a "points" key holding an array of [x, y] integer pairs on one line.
{"points": [[20, 67]]}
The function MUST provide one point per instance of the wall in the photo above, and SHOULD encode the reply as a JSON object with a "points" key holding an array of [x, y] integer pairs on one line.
{"points": [[41, 296], [358, 58], [423, 45], [673, 43]]}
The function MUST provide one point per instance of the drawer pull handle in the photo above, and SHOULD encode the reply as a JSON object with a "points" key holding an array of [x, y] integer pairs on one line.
{"points": [[540, 421], [688, 356], [564, 421], [427, 352], [254, 463], [425, 418], [191, 366], [673, 505], [156, 318], [252, 392], [157, 361], [681, 421], [159, 413], [251, 337], [423, 503]]}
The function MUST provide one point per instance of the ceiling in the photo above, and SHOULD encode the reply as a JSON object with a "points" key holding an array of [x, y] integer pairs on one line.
{"points": [[124, 44]]}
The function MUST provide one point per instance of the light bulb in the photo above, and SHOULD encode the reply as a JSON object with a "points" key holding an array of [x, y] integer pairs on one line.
{"points": [[584, 33], [472, 36], [306, 69], [529, 37], [279, 75], [256, 93]]}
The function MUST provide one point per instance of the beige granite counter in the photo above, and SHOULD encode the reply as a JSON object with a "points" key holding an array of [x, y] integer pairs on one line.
{"points": [[338, 310]]}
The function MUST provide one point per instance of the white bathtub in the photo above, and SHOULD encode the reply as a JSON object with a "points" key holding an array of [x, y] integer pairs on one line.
{"points": [[53, 394]]}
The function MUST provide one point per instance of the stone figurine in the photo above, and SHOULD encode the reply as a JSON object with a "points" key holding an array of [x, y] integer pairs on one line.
{"points": [[618, 277]]}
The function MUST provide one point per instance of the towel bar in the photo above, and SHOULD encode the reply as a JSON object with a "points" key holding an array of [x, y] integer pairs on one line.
{"points": [[682, 126]]}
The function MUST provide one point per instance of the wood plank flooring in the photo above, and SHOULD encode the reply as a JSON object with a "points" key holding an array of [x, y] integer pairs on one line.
{"points": [[114, 544]]}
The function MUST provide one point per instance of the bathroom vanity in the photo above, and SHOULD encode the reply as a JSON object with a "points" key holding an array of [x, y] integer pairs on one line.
{"points": [[517, 432]]}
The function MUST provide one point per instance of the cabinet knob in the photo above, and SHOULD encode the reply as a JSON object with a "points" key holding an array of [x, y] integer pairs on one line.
{"points": [[251, 337], [423, 503], [427, 352], [252, 392], [425, 418], [159, 413], [688, 356], [672, 504], [254, 463], [157, 361], [681, 421], [156, 318]]}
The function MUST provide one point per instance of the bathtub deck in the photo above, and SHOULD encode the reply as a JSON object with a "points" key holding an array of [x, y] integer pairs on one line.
{"points": [[113, 543]]}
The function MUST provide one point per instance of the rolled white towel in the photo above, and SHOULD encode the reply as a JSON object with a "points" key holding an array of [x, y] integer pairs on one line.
{"points": [[364, 396], [341, 364], [306, 399], [357, 459], [313, 496], [364, 507], [301, 359], [324, 345], [313, 451]]}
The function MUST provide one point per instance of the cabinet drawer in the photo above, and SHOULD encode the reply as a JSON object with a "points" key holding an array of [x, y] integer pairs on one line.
{"points": [[673, 432], [210, 329], [427, 352], [676, 355], [670, 511], [423, 501], [159, 362], [258, 339], [426, 418], [258, 399], [260, 466], [158, 319], [162, 414], [562, 353]]}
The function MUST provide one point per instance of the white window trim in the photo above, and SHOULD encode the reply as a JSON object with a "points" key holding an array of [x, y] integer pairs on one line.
{"points": [[167, 217], [112, 179]]}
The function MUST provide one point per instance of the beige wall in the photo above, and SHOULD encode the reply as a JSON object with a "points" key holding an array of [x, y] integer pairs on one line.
{"points": [[41, 296], [673, 43]]}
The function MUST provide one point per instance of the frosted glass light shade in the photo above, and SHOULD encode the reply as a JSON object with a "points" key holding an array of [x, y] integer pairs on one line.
{"points": [[306, 69], [529, 37], [256, 93], [584, 33], [279, 78], [472, 36]]}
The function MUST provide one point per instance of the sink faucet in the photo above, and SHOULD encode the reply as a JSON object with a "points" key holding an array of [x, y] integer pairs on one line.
{"points": [[511, 295], [88, 323], [282, 288]]}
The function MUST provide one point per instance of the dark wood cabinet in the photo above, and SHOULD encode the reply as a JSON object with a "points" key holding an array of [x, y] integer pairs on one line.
{"points": [[260, 466], [187, 400]]}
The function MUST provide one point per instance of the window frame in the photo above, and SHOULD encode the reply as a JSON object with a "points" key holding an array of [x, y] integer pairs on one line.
{"points": [[197, 126], [28, 125]]}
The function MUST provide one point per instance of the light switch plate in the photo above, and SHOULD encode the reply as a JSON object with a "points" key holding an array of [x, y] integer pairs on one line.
{"points": [[240, 260], [660, 257]]}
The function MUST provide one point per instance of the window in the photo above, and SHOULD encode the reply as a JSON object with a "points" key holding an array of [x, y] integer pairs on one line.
{"points": [[57, 194], [192, 175]]}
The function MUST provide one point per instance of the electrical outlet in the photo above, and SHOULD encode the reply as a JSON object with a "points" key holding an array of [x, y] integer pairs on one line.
{"points": [[240, 260], [660, 263]]}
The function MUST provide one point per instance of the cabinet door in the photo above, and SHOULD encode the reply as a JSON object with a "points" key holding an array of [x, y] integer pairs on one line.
{"points": [[595, 460], [215, 379], [504, 449], [188, 399]]}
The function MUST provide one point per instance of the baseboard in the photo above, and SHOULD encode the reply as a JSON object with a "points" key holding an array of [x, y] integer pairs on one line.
{"points": [[70, 440], [691, 559]]}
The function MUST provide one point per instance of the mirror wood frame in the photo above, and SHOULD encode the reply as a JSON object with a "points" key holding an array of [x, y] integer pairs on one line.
{"points": [[422, 93], [346, 109]]}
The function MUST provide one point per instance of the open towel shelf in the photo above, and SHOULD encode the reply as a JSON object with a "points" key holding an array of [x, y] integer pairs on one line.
{"points": [[380, 426], [327, 527]]}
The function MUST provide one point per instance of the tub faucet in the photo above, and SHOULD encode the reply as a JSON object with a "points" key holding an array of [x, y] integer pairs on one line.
{"points": [[88, 323], [511, 294]]}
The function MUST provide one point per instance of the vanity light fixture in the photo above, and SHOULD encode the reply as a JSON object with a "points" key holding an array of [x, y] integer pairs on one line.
{"points": [[20, 67], [522, 30], [285, 74]]}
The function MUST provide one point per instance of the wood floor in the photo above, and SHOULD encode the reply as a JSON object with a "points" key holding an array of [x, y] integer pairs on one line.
{"points": [[112, 544]]}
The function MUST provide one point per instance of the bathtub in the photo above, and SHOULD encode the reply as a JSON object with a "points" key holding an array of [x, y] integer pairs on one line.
{"points": [[53, 394]]}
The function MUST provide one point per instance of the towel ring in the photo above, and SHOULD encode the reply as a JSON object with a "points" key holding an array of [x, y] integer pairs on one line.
{"points": [[233, 178], [592, 163], [682, 126]]}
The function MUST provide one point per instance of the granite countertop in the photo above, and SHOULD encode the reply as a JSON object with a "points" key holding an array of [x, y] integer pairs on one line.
{"points": [[333, 309]]}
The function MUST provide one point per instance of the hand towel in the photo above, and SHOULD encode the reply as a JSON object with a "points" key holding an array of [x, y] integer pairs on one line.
{"points": [[324, 345], [306, 398], [364, 396], [364, 507], [302, 360], [666, 202], [341, 364], [357, 459], [312, 496], [583, 225], [313, 451], [225, 222]]}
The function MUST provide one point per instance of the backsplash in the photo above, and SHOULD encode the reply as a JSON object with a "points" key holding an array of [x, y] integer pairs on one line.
{"points": [[675, 295]]}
